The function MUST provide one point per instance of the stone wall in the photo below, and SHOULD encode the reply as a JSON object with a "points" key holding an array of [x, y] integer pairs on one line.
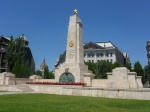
{"points": [[102, 83], [47, 80], [141, 94], [2, 79], [20, 81], [120, 78], [35, 78], [10, 88], [7, 78]]}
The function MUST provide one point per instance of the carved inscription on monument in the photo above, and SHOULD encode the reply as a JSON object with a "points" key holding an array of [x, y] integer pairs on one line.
{"points": [[71, 54]]}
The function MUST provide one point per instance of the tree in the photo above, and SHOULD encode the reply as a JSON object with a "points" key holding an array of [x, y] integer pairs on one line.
{"points": [[16, 69], [15, 52], [128, 66], [91, 66], [115, 65], [25, 70], [102, 68], [38, 72], [21, 70], [51, 75], [14, 56], [139, 70], [9, 55], [46, 73]]}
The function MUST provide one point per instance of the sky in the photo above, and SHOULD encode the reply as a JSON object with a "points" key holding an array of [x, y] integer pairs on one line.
{"points": [[126, 23]]}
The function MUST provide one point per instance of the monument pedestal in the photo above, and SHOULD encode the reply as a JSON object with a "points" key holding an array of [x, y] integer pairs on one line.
{"points": [[79, 71]]}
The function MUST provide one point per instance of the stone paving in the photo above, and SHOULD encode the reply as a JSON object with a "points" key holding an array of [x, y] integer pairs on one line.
{"points": [[10, 92]]}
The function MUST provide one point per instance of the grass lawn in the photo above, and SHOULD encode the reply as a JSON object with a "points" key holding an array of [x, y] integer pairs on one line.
{"points": [[3, 91], [62, 103]]}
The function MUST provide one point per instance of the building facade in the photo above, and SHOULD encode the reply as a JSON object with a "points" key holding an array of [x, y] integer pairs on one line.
{"points": [[148, 51], [97, 51], [94, 52], [4, 41], [3, 44]]}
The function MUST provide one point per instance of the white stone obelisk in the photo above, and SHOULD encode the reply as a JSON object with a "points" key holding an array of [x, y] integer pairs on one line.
{"points": [[74, 62], [74, 50]]}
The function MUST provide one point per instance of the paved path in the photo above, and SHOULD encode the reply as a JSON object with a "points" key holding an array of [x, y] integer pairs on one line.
{"points": [[8, 93]]}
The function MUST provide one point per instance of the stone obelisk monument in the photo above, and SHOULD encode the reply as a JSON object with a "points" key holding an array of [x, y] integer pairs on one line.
{"points": [[74, 69]]}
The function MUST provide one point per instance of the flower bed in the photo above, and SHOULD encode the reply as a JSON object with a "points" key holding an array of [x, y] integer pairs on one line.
{"points": [[59, 83]]}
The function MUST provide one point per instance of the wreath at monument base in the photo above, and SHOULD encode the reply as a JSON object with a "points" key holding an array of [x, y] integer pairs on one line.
{"points": [[59, 83]]}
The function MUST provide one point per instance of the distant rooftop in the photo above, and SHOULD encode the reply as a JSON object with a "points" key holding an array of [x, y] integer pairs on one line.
{"points": [[104, 44]]}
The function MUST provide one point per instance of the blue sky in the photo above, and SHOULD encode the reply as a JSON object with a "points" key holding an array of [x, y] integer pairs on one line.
{"points": [[126, 23]]}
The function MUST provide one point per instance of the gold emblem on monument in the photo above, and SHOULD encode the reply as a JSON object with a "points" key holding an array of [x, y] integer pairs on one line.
{"points": [[71, 43]]}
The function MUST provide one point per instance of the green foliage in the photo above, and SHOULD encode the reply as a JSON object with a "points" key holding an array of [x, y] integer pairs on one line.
{"points": [[38, 72], [25, 70], [51, 75], [100, 69], [48, 74], [139, 70], [9, 54], [91, 66], [14, 56], [16, 69], [128, 66], [115, 64], [3, 91], [22, 70], [15, 52], [63, 103]]}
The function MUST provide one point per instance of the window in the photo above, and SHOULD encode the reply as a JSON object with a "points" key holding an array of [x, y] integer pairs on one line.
{"points": [[107, 54], [97, 54], [101, 54], [89, 54], [92, 54], [111, 54], [84, 54], [92, 61]]}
